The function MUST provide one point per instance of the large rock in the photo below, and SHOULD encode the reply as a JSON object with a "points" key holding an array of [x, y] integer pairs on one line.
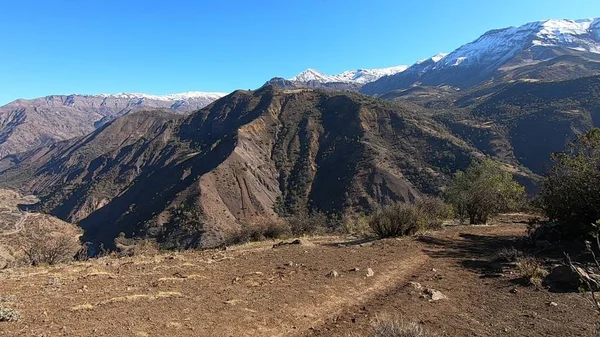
{"points": [[565, 277]]}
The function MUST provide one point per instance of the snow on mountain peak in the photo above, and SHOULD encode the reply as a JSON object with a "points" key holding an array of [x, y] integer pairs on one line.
{"points": [[171, 97], [360, 76], [497, 46]]}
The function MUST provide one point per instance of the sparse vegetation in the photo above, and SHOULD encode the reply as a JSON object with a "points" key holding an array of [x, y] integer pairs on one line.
{"points": [[484, 190], [531, 269], [397, 220], [399, 328], [260, 230], [507, 254], [42, 245], [8, 314]]}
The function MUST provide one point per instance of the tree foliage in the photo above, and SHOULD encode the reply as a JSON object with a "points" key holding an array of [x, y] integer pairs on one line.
{"points": [[484, 190], [571, 192]]}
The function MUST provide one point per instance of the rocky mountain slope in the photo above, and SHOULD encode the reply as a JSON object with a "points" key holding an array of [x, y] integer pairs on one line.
{"points": [[27, 124], [191, 180], [545, 50]]}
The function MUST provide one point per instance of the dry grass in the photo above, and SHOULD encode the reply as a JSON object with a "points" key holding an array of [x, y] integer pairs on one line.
{"points": [[398, 328], [531, 269], [507, 254], [8, 314]]}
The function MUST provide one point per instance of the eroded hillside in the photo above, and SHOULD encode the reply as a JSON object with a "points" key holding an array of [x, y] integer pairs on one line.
{"points": [[190, 181]]}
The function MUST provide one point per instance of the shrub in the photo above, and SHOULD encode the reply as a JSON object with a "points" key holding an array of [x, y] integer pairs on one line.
{"points": [[531, 269], [397, 328], [304, 222], [435, 211], [507, 254], [8, 314], [356, 224], [484, 190], [260, 230], [570, 194], [397, 220], [42, 245]]}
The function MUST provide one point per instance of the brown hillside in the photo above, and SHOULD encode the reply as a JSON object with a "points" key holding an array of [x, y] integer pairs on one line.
{"points": [[189, 182]]}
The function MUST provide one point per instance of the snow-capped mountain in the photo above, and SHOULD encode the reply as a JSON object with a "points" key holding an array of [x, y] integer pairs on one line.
{"points": [[498, 46], [360, 76], [188, 95], [29, 123], [529, 51]]}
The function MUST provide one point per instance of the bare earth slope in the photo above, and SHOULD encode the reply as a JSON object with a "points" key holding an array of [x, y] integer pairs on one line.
{"points": [[259, 291]]}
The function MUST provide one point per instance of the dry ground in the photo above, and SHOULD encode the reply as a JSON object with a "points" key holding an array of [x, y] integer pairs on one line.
{"points": [[254, 290]]}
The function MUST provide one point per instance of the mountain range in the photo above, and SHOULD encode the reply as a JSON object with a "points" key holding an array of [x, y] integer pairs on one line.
{"points": [[27, 124], [190, 176]]}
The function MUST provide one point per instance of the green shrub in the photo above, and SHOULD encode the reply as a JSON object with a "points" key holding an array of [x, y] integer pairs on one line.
{"points": [[531, 269], [397, 220], [570, 195], [484, 190], [435, 211]]}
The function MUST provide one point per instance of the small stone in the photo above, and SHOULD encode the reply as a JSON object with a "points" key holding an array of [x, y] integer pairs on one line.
{"points": [[370, 272], [433, 270], [235, 280], [434, 295], [355, 269], [514, 290], [553, 304], [290, 264], [415, 285], [333, 274]]}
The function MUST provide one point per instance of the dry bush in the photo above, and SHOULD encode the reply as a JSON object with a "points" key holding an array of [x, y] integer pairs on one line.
{"points": [[304, 222], [531, 269], [397, 220], [507, 254], [135, 247], [356, 224], [434, 211], [8, 314], [259, 230], [398, 328], [45, 245]]}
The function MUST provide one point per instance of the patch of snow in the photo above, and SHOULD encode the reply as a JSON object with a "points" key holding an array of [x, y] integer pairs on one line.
{"points": [[172, 97], [360, 76]]}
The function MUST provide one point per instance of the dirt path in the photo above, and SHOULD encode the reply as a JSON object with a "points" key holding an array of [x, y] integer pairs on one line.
{"points": [[260, 291], [18, 224]]}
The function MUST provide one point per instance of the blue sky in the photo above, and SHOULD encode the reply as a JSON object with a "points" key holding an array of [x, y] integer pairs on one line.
{"points": [[161, 47]]}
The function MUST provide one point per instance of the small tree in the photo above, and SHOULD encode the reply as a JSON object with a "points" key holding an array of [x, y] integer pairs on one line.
{"points": [[484, 190], [571, 192]]}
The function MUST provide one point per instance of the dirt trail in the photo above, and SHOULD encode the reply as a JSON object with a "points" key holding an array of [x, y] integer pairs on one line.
{"points": [[18, 224], [255, 290]]}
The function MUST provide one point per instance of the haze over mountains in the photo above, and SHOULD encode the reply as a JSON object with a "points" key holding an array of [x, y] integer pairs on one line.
{"points": [[189, 177]]}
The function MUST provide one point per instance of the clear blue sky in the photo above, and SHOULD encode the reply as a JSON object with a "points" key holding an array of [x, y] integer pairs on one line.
{"points": [[160, 47]]}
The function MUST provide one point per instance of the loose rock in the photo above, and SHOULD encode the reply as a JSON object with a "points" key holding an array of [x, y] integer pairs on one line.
{"points": [[434, 295], [333, 274], [370, 272]]}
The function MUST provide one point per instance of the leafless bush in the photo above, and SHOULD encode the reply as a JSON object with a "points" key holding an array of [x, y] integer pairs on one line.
{"points": [[42, 245], [260, 230], [434, 211]]}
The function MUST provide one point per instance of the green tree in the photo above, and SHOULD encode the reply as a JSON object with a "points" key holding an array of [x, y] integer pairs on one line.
{"points": [[570, 195], [484, 190]]}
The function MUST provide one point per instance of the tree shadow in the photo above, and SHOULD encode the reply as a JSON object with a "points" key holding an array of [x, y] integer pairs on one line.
{"points": [[474, 252]]}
